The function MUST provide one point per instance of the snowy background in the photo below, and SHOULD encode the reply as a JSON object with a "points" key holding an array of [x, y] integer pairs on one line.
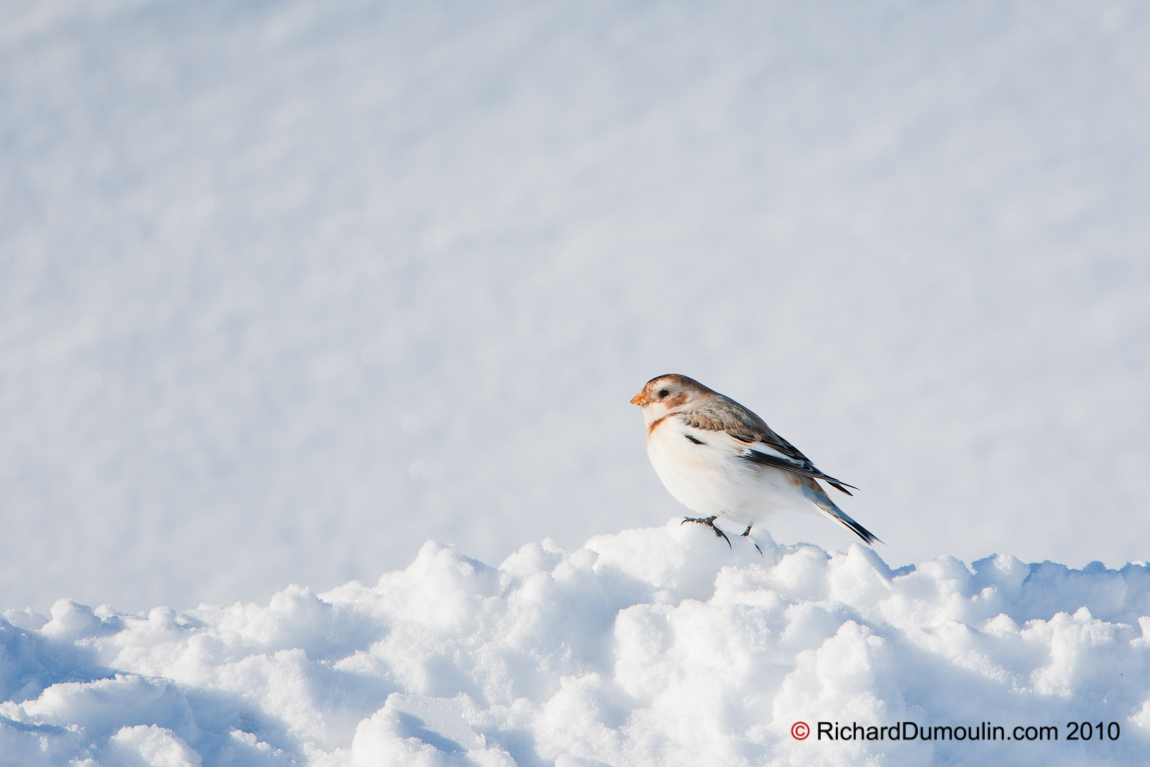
{"points": [[287, 289]]}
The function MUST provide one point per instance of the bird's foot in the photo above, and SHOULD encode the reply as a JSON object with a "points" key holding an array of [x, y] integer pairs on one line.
{"points": [[746, 533], [709, 522]]}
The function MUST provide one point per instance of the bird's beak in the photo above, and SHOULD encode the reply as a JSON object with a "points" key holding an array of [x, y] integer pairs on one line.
{"points": [[639, 399]]}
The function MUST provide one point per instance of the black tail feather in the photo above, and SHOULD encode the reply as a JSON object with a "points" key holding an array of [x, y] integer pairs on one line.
{"points": [[868, 537]]}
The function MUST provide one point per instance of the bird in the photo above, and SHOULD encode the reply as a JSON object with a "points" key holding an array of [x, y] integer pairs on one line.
{"points": [[719, 459]]}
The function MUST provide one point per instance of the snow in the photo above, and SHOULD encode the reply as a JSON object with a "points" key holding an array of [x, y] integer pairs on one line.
{"points": [[288, 288], [655, 646]]}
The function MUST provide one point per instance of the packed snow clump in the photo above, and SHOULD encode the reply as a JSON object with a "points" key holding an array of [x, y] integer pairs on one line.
{"points": [[657, 646]]}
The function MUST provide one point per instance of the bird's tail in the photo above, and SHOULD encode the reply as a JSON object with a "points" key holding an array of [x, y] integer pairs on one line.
{"points": [[828, 507], [867, 536]]}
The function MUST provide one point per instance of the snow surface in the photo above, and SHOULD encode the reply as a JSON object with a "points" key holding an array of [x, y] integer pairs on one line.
{"points": [[287, 288], [656, 646]]}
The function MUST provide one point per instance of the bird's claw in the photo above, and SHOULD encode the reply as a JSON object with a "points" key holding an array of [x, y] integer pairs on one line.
{"points": [[746, 533], [709, 522]]}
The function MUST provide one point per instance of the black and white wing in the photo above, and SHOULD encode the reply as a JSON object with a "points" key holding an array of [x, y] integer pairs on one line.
{"points": [[751, 439]]}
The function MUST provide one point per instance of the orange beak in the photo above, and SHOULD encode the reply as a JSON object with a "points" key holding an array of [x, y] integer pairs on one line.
{"points": [[640, 399]]}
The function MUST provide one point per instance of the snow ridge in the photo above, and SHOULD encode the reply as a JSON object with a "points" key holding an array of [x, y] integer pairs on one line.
{"points": [[649, 647]]}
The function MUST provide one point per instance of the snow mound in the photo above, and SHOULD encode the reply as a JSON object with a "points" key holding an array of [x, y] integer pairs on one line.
{"points": [[657, 646]]}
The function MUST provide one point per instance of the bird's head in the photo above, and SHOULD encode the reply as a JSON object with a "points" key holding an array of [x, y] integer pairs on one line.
{"points": [[668, 394]]}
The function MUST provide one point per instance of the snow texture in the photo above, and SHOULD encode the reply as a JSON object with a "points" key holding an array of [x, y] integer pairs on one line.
{"points": [[657, 646], [287, 288]]}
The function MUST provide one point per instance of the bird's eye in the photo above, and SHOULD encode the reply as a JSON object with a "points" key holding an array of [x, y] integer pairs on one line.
{"points": [[663, 393]]}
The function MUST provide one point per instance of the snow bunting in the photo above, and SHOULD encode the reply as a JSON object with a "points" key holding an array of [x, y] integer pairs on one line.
{"points": [[721, 460]]}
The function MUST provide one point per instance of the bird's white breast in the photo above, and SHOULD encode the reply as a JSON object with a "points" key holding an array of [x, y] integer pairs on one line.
{"points": [[712, 479]]}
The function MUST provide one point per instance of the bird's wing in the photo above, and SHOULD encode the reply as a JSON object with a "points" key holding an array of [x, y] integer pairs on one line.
{"points": [[731, 425]]}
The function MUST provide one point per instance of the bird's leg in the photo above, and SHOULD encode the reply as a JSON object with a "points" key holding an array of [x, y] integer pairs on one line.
{"points": [[748, 532], [709, 522]]}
